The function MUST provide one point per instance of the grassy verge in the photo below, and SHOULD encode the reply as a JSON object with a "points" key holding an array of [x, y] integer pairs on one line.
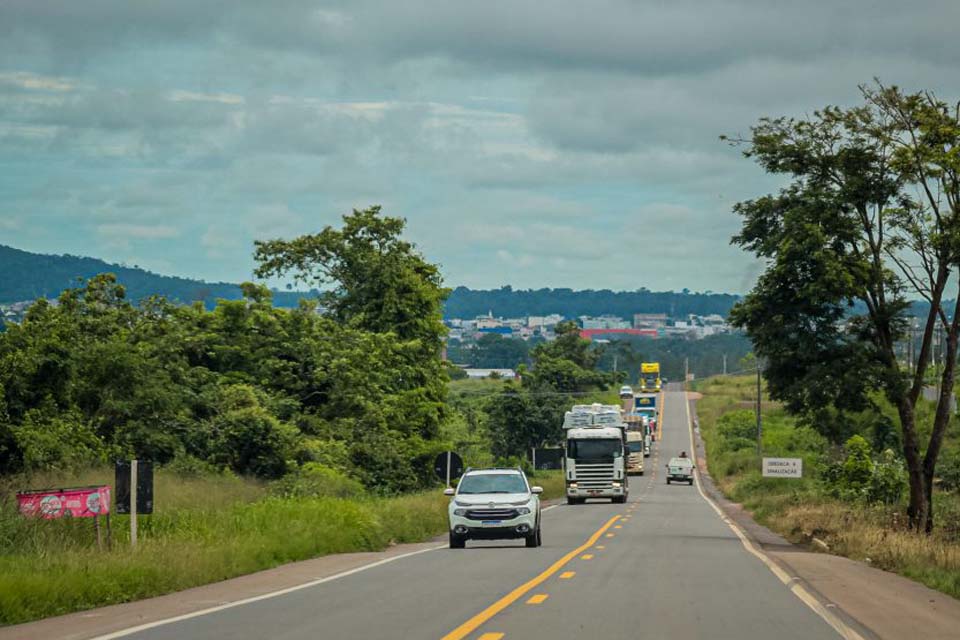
{"points": [[802, 509], [205, 529]]}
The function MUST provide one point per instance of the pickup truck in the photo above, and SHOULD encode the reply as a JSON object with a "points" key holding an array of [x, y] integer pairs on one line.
{"points": [[680, 470]]}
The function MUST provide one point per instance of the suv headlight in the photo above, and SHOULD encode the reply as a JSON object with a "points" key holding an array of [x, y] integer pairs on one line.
{"points": [[459, 512], [523, 511]]}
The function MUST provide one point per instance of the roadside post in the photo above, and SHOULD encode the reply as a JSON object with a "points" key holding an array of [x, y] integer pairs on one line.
{"points": [[448, 466], [134, 483]]}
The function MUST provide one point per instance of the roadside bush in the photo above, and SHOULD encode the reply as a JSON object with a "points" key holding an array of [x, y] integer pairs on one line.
{"points": [[858, 467], [738, 424], [858, 478], [888, 481], [948, 470], [186, 466], [315, 480]]}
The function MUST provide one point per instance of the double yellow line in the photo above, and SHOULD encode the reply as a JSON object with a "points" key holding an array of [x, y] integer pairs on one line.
{"points": [[476, 621]]}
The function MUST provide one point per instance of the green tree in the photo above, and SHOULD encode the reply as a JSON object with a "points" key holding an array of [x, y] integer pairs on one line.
{"points": [[871, 214], [373, 278]]}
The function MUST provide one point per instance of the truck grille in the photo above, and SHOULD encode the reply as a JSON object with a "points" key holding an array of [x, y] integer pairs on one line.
{"points": [[594, 476], [492, 514]]}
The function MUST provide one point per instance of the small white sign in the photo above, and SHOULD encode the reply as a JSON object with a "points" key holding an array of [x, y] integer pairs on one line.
{"points": [[783, 467]]}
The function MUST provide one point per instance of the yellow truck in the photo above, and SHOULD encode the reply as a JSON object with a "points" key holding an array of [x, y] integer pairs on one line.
{"points": [[649, 377]]}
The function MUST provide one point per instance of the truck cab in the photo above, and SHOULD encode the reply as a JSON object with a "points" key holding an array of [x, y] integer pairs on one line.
{"points": [[595, 465]]}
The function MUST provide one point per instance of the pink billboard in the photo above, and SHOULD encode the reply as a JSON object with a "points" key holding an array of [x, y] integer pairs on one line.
{"points": [[82, 502]]}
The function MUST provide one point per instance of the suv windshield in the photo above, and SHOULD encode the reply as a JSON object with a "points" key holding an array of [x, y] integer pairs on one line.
{"points": [[636, 446], [492, 483], [594, 449]]}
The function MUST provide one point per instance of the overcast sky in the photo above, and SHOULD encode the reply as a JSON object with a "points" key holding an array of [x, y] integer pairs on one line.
{"points": [[529, 143]]}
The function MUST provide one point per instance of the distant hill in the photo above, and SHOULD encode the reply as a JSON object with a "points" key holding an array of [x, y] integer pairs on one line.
{"points": [[28, 276], [509, 303]]}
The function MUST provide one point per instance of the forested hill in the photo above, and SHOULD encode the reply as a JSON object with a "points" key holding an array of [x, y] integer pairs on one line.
{"points": [[509, 303], [28, 276]]}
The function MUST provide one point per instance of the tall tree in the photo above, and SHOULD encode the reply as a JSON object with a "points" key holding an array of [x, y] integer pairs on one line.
{"points": [[371, 277], [871, 214]]}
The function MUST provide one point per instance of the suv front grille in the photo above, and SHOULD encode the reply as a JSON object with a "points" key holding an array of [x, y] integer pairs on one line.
{"points": [[492, 514]]}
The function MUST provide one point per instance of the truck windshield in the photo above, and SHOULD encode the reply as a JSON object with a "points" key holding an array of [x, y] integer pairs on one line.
{"points": [[594, 449], [492, 483], [635, 446]]}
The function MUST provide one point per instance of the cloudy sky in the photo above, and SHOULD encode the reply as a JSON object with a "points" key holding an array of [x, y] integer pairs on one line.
{"points": [[529, 143]]}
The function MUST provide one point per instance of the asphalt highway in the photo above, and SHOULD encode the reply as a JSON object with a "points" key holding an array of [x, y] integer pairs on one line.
{"points": [[664, 565]]}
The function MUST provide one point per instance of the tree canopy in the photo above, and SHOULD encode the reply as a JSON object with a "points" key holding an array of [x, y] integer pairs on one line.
{"points": [[870, 216]]}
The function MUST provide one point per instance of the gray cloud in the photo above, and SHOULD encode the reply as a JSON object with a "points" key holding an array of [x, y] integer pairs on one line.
{"points": [[525, 145]]}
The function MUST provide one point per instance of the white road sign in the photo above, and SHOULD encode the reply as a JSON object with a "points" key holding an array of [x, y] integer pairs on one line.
{"points": [[783, 467]]}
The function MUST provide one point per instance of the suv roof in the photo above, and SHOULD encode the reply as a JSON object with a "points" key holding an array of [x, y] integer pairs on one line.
{"points": [[495, 470]]}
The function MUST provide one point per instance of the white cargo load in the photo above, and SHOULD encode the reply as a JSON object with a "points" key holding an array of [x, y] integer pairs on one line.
{"points": [[593, 415]]}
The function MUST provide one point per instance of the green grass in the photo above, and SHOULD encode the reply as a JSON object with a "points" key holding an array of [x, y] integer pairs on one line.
{"points": [[799, 509], [204, 530]]}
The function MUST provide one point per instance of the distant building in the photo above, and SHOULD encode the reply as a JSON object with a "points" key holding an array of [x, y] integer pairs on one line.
{"points": [[486, 373], [606, 334], [542, 322], [506, 332], [603, 322], [649, 320]]}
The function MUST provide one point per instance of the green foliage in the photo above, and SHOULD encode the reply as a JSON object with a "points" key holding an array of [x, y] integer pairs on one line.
{"points": [[28, 276], [314, 480], [209, 529], [245, 386], [865, 186], [512, 303], [949, 471], [859, 478], [530, 414]]}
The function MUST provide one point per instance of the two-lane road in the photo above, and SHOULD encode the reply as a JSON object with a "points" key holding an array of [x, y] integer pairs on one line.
{"points": [[664, 565]]}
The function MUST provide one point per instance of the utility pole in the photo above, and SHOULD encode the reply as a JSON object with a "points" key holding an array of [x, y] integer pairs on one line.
{"points": [[686, 370], [724, 364], [759, 415]]}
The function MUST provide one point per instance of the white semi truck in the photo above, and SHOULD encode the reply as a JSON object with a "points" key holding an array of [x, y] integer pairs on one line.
{"points": [[595, 465]]}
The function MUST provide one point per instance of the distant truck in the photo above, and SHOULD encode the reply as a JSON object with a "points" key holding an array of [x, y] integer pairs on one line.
{"points": [[637, 450], [650, 377], [595, 465], [645, 406]]}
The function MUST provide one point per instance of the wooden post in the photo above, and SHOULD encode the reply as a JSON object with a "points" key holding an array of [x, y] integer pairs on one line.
{"points": [[109, 533], [133, 504], [96, 525]]}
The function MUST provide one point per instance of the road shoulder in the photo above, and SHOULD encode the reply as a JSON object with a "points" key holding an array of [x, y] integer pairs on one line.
{"points": [[108, 620], [875, 603]]}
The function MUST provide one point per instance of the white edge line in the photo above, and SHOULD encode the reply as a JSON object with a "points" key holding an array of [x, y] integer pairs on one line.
{"points": [[273, 594], [798, 590], [264, 596]]}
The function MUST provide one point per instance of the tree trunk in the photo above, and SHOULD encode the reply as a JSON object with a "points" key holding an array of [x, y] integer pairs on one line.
{"points": [[919, 503], [941, 421]]}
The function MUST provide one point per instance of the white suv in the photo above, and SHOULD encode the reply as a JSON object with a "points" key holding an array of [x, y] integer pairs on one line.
{"points": [[494, 504]]}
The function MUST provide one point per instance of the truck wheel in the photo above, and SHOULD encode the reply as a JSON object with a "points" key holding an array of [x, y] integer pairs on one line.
{"points": [[668, 480], [539, 537], [690, 481], [574, 500], [456, 542], [641, 473]]}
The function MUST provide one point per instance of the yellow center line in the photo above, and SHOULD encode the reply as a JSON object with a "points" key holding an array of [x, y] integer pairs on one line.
{"points": [[610, 535], [600, 546], [587, 556], [538, 599], [490, 636], [474, 623], [566, 575], [618, 527]]}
